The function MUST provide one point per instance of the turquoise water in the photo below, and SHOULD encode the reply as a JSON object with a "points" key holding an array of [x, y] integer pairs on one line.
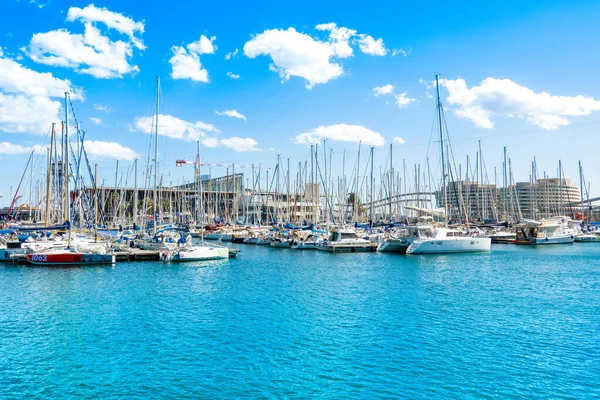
{"points": [[517, 322]]}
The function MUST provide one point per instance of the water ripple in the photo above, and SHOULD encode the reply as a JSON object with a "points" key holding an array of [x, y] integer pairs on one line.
{"points": [[519, 322]]}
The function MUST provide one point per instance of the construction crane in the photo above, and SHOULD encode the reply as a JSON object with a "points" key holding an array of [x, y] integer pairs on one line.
{"points": [[179, 163]]}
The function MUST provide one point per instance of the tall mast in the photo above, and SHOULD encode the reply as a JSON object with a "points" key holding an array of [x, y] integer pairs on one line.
{"points": [[49, 177], [343, 196], [66, 162], [312, 186], [288, 190], [155, 194], [439, 107], [325, 183], [372, 181], [95, 202], [357, 183], [391, 180], [581, 186], [200, 193], [135, 192]]}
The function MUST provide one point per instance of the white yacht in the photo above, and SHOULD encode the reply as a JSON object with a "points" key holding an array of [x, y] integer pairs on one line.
{"points": [[346, 241], [197, 253], [400, 239], [556, 230], [444, 240]]}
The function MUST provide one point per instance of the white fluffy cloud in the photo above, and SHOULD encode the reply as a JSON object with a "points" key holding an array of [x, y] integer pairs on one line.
{"points": [[402, 100], [399, 140], [29, 99], [92, 52], [111, 19], [503, 97], [11, 148], [207, 134], [299, 54], [383, 90], [178, 128], [204, 45], [15, 78], [231, 75], [341, 133], [232, 114], [98, 149], [370, 46], [240, 144], [95, 121], [186, 64]]}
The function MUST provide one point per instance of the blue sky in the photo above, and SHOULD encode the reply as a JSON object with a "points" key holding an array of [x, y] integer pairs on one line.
{"points": [[528, 70]]}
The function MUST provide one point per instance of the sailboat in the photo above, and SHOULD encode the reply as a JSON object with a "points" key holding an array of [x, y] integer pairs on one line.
{"points": [[69, 255], [200, 252], [443, 239]]}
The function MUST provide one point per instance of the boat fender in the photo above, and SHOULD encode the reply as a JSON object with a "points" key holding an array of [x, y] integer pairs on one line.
{"points": [[572, 237], [547, 239]]}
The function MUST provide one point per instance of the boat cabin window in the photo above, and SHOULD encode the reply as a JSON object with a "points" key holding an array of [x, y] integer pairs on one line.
{"points": [[336, 236]]}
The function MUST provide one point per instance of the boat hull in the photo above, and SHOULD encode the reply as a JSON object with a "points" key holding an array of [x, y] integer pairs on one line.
{"points": [[282, 245], [70, 259], [551, 240], [343, 248], [454, 245], [203, 253], [587, 239], [394, 246], [304, 246]]}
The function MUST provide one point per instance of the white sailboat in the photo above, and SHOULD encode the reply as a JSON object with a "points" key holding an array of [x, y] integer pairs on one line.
{"points": [[401, 238], [444, 240], [200, 252]]}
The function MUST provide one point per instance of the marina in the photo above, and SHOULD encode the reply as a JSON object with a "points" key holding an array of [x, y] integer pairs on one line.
{"points": [[310, 200]]}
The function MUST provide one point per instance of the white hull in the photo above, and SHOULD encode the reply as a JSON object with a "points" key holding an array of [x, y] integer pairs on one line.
{"points": [[199, 253], [450, 245], [394, 245], [305, 246], [591, 238]]}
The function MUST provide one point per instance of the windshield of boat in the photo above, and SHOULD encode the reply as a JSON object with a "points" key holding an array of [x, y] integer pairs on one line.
{"points": [[335, 236]]}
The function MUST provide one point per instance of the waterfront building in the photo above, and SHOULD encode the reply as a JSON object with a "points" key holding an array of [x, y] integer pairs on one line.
{"points": [[547, 197], [543, 198], [478, 201]]}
